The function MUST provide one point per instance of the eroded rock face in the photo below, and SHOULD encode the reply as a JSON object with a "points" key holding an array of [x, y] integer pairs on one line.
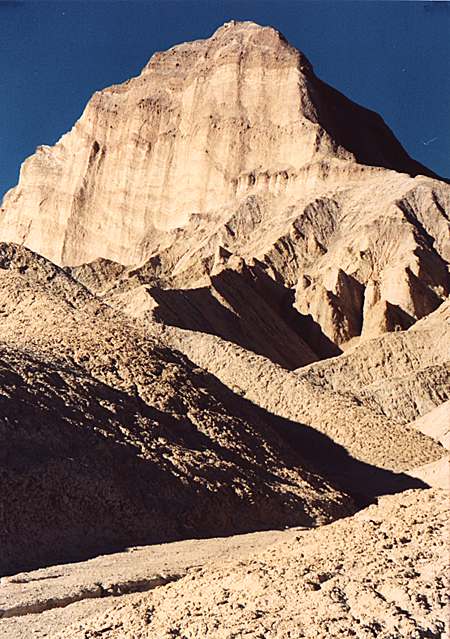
{"points": [[403, 375], [231, 147], [189, 134]]}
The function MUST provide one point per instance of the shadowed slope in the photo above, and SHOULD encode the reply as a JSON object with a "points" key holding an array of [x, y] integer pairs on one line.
{"points": [[109, 439]]}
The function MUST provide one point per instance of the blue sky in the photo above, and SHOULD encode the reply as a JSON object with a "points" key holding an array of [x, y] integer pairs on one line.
{"points": [[393, 57]]}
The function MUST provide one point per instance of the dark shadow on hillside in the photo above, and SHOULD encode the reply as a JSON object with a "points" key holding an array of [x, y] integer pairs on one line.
{"points": [[73, 475], [75, 483], [363, 132], [306, 326], [364, 482], [253, 311]]}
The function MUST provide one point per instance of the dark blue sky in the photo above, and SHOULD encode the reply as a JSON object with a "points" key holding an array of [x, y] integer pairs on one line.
{"points": [[393, 57]]}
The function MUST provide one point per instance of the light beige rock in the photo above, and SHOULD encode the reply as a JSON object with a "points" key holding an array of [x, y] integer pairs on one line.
{"points": [[233, 144], [404, 374], [201, 124], [341, 417], [42, 599], [369, 393], [436, 424], [436, 474], [380, 573]]}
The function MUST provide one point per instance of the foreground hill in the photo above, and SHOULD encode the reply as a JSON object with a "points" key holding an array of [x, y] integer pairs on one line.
{"points": [[108, 439]]}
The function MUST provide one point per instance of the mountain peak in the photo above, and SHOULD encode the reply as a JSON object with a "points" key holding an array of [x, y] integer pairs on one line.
{"points": [[205, 124], [253, 34], [231, 42], [245, 26]]}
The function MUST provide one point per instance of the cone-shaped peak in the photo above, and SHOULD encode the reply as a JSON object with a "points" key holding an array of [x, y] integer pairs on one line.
{"points": [[256, 35], [205, 125], [252, 29], [230, 42]]}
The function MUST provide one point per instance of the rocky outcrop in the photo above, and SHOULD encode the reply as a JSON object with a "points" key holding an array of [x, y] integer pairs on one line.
{"points": [[238, 302], [202, 122], [404, 375]]}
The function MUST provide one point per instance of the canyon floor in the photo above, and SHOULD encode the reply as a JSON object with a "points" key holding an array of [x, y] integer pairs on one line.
{"points": [[381, 573]]}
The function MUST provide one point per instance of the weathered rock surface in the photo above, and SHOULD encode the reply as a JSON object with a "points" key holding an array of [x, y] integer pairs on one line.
{"points": [[436, 474], [393, 584], [368, 443], [231, 148], [436, 424], [239, 303], [366, 395], [404, 375], [136, 445], [201, 123], [25, 596]]}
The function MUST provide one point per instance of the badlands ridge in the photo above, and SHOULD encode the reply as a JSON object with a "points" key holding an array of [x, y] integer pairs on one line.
{"points": [[224, 301]]}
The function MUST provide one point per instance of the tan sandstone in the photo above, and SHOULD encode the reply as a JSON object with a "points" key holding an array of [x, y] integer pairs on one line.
{"points": [[232, 144]]}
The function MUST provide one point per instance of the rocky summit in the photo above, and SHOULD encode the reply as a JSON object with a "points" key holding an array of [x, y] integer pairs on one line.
{"points": [[224, 302], [231, 149]]}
